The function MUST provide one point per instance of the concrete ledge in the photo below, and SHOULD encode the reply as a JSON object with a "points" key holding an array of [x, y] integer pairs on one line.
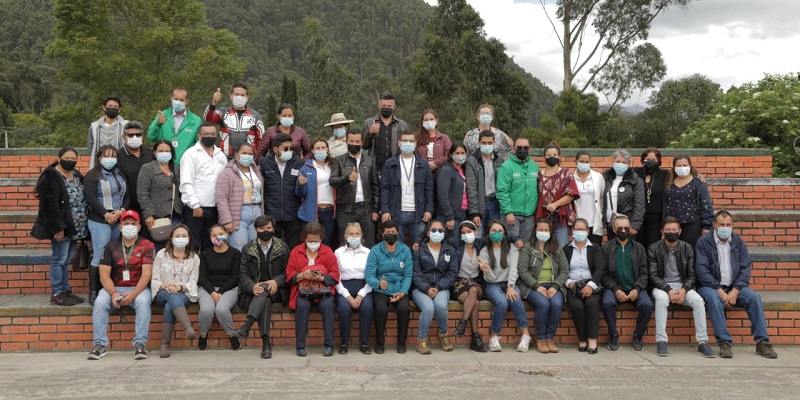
{"points": [[753, 181], [774, 254], [18, 181], [21, 216], [766, 215]]}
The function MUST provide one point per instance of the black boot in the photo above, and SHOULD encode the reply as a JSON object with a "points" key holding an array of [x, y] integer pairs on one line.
{"points": [[244, 331], [94, 283], [266, 347], [476, 344]]}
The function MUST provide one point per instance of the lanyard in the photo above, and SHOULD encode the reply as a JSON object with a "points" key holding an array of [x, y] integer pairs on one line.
{"points": [[127, 256], [406, 172], [248, 175]]}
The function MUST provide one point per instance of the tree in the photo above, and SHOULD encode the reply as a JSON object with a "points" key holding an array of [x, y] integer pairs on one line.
{"points": [[616, 61]]}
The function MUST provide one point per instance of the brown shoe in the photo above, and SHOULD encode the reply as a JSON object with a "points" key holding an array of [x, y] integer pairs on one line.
{"points": [[541, 346], [551, 344], [447, 345], [422, 346]]}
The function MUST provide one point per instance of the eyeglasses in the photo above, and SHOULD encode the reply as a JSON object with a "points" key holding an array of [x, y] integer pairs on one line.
{"points": [[133, 134], [284, 148], [437, 230]]}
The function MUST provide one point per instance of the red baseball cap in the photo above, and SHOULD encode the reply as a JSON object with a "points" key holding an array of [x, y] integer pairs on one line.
{"points": [[130, 214]]}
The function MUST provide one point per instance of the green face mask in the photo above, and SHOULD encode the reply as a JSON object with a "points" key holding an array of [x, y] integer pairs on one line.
{"points": [[496, 237]]}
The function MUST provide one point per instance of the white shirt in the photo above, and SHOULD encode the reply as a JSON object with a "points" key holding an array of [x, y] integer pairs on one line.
{"points": [[407, 166], [585, 203], [281, 165], [199, 172], [359, 185], [177, 120], [324, 189], [488, 175], [579, 265], [611, 207], [352, 263], [251, 185], [724, 256]]}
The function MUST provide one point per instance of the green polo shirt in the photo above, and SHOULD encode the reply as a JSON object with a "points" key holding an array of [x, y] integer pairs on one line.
{"points": [[624, 266]]}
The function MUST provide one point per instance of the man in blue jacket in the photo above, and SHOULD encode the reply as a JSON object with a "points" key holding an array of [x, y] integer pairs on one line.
{"points": [[407, 189], [280, 170], [723, 266]]}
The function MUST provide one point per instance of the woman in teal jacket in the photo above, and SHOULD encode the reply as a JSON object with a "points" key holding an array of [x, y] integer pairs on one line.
{"points": [[389, 271]]}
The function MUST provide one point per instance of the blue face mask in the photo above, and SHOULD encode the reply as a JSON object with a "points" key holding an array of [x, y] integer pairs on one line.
{"points": [[460, 159], [354, 242], [542, 236], [286, 155], [437, 237], [320, 156], [163, 157], [620, 168], [487, 148], [485, 119], [287, 122], [580, 236], [108, 162], [407, 148], [178, 105], [246, 159], [339, 132], [584, 167], [724, 233]]}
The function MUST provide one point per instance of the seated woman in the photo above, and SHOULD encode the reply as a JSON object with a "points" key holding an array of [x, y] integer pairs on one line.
{"points": [[468, 287], [176, 269], [498, 262], [543, 272], [312, 272], [353, 292], [219, 286], [435, 270], [586, 269], [389, 273]]}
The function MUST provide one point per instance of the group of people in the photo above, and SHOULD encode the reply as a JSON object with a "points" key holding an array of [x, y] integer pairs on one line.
{"points": [[224, 212]]}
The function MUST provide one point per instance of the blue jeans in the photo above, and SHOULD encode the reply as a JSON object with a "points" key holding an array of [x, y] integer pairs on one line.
{"points": [[102, 233], [246, 231], [62, 253], [365, 312], [548, 312], [170, 301], [496, 293], [430, 308], [492, 213], [407, 222], [102, 306], [644, 307], [748, 299], [453, 237], [561, 233], [325, 218], [301, 313]]}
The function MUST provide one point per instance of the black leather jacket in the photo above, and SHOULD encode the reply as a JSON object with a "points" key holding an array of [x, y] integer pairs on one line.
{"points": [[657, 264]]}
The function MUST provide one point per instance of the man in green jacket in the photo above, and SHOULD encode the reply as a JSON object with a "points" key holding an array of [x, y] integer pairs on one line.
{"points": [[517, 193], [176, 124]]}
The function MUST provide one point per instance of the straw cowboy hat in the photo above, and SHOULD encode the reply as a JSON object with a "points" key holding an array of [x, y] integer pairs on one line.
{"points": [[339, 119]]}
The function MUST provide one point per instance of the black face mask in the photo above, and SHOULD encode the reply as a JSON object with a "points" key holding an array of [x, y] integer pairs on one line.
{"points": [[390, 238], [208, 141], [112, 112], [353, 148], [386, 112], [623, 234], [265, 236], [522, 155], [551, 161], [650, 166], [68, 165], [672, 237]]}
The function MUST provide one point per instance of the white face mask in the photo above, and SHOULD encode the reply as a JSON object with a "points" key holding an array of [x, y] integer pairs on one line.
{"points": [[239, 101], [683, 171], [129, 231], [135, 142], [313, 246]]}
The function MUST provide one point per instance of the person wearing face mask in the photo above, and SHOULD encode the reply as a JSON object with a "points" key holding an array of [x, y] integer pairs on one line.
{"points": [[318, 196], [517, 193], [586, 270], [432, 145], [312, 272], [176, 124], [451, 191], [435, 271], [654, 178], [486, 115], [723, 267], [126, 267], [238, 124], [381, 132], [625, 281], [61, 219], [389, 272], [176, 270], [200, 169], [281, 171], [106, 191], [218, 283], [107, 130], [543, 272], [338, 142], [285, 125], [591, 187], [686, 198], [157, 188], [262, 280], [468, 286], [624, 194], [353, 293], [355, 177], [238, 197], [670, 263], [480, 171], [557, 193], [132, 156]]}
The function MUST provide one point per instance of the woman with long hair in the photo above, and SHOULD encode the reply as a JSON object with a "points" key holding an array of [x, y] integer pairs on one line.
{"points": [[218, 284], [586, 270], [557, 191], [468, 287], [686, 198], [432, 144], [318, 196], [486, 117], [238, 197], [157, 188], [451, 191]]}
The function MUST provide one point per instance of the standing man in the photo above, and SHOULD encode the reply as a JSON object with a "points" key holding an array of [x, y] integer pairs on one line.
{"points": [[517, 195], [176, 124], [670, 263], [407, 190], [107, 130], [481, 170], [280, 170], [723, 268], [237, 124], [625, 280], [200, 167], [355, 177], [381, 132], [130, 158]]}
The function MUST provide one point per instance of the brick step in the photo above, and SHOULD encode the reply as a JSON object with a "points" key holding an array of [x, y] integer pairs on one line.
{"points": [[30, 323], [755, 194]]}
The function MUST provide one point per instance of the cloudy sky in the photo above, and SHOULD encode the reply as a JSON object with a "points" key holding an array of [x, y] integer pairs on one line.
{"points": [[730, 41]]}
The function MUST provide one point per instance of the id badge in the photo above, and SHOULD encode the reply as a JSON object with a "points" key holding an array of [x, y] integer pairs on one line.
{"points": [[126, 275], [255, 196], [408, 190], [175, 143]]}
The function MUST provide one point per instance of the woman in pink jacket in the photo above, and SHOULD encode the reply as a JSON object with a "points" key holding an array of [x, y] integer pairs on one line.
{"points": [[238, 197]]}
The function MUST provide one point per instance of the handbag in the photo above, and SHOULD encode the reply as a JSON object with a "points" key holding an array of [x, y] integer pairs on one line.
{"points": [[314, 289], [162, 227], [82, 257]]}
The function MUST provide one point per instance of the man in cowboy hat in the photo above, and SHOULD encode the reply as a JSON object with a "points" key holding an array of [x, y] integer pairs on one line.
{"points": [[339, 125]]}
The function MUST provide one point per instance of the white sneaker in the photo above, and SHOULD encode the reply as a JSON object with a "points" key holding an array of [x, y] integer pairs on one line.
{"points": [[524, 343], [494, 344]]}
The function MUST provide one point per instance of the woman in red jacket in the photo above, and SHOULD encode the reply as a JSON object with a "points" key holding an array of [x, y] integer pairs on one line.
{"points": [[312, 272]]}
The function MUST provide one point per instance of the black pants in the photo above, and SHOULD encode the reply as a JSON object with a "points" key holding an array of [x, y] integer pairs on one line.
{"points": [[691, 231], [381, 302], [651, 229], [596, 240], [200, 228], [301, 313], [585, 315], [364, 218], [261, 309], [289, 231]]}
